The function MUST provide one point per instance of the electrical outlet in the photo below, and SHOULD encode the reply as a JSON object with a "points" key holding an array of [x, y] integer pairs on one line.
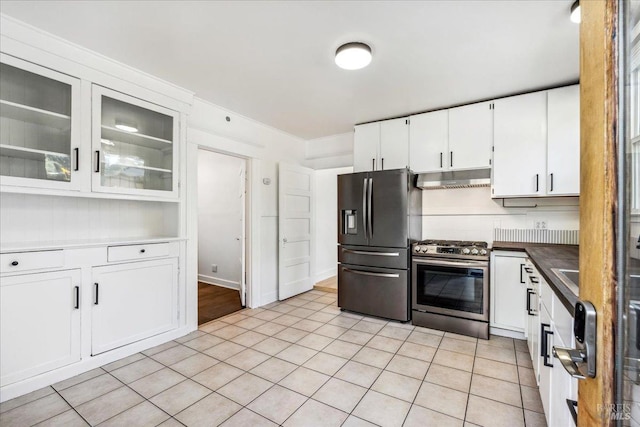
{"points": [[543, 225], [214, 268], [536, 225]]}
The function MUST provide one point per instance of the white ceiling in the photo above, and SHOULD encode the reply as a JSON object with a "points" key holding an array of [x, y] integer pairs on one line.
{"points": [[273, 60]]}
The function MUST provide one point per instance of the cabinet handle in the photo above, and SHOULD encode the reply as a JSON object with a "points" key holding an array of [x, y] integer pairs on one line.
{"points": [[551, 189], [77, 296], [451, 159], [14, 263], [537, 182], [143, 251], [545, 344], [521, 276], [529, 293], [76, 152], [96, 289], [97, 161], [440, 159], [528, 270], [382, 163]]}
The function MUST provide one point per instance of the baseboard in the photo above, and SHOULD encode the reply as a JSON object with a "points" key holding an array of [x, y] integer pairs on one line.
{"points": [[219, 282], [506, 333], [269, 298], [326, 274]]}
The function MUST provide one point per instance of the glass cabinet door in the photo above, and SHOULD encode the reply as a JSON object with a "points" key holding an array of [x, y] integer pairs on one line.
{"points": [[134, 145], [39, 126]]}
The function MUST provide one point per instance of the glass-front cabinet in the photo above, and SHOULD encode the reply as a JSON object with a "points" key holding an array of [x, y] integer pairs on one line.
{"points": [[134, 145], [39, 126]]}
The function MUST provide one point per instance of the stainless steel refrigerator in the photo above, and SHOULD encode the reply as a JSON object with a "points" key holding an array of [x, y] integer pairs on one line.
{"points": [[379, 216]]}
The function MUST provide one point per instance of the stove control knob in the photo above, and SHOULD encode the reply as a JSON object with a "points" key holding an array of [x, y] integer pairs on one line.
{"points": [[474, 251], [483, 251], [424, 249], [417, 248], [466, 251]]}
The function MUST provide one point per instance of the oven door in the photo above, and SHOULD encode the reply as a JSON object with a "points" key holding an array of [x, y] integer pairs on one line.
{"points": [[457, 288]]}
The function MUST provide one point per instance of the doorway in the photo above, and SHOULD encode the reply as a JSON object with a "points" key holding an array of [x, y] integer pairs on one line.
{"points": [[221, 234]]}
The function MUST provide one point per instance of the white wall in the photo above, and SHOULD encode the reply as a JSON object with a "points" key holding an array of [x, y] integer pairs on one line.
{"points": [[220, 218], [333, 151], [265, 147], [471, 214], [326, 221]]}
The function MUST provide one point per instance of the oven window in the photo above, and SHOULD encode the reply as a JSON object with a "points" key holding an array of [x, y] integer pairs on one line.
{"points": [[452, 288]]}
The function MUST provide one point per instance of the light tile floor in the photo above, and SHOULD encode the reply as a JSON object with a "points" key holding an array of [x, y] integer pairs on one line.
{"points": [[300, 362]]}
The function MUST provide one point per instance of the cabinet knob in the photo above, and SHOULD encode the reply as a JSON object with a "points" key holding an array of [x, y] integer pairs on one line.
{"points": [[142, 251], [14, 263]]}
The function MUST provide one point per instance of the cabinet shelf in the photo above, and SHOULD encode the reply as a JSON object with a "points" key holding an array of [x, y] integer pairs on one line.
{"points": [[110, 133], [25, 113], [27, 153], [147, 168]]}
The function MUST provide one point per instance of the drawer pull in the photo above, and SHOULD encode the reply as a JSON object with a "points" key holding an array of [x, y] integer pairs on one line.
{"points": [[15, 263], [77, 291], [95, 302], [142, 251]]}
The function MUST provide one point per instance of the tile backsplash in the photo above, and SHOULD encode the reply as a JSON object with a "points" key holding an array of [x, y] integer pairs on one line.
{"points": [[565, 237]]}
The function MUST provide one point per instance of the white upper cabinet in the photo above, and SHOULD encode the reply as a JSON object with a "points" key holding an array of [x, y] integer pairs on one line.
{"points": [[454, 139], [428, 141], [470, 136], [134, 145], [520, 145], [366, 142], [394, 144], [381, 145], [563, 144], [39, 126]]}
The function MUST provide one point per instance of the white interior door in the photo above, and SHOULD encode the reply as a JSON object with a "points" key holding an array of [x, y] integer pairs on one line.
{"points": [[296, 230], [242, 237]]}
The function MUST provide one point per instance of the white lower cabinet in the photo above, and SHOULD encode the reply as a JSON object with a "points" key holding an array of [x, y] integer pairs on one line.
{"points": [[546, 359], [133, 301], [508, 291], [563, 388], [39, 323]]}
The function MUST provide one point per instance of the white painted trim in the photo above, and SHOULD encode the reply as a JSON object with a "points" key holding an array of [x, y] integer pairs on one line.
{"points": [[269, 298], [506, 333], [326, 274], [229, 284]]}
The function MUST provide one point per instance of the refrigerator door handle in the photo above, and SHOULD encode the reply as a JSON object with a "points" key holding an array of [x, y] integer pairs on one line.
{"points": [[364, 208], [369, 209], [371, 273]]}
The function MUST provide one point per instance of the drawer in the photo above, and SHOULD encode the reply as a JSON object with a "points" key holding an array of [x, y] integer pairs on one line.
{"points": [[547, 295], [28, 261], [373, 256], [137, 252]]}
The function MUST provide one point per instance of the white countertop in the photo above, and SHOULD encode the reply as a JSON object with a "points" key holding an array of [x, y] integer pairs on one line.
{"points": [[86, 243]]}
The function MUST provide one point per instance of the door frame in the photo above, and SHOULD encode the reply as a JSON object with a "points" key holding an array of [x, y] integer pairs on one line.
{"points": [[251, 230]]}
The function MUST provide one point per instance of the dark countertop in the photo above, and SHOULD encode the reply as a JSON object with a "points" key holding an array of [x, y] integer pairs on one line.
{"points": [[545, 257]]}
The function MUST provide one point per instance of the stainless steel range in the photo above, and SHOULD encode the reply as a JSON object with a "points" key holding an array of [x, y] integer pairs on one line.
{"points": [[450, 286]]}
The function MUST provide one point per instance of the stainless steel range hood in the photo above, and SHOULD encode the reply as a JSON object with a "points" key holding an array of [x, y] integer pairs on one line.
{"points": [[455, 179]]}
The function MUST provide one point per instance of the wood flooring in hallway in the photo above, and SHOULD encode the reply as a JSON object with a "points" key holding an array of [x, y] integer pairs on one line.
{"points": [[216, 301]]}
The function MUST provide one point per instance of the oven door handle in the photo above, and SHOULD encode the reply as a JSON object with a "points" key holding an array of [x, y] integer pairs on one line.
{"points": [[371, 273], [452, 263]]}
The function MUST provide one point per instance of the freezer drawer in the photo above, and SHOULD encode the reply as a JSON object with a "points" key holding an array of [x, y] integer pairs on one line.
{"points": [[374, 256], [374, 291]]}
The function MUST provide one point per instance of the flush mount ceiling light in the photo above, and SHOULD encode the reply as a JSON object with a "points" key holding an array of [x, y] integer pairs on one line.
{"points": [[353, 56], [127, 127], [575, 12]]}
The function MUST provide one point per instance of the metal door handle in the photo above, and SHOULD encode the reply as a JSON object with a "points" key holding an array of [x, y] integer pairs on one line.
{"points": [[77, 296], [551, 188], [364, 208], [14, 263], [373, 164], [451, 161], [521, 275], [351, 251], [545, 338], [382, 161], [529, 293], [569, 358], [528, 270], [371, 273], [369, 209], [96, 289], [441, 159], [537, 182], [76, 152]]}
